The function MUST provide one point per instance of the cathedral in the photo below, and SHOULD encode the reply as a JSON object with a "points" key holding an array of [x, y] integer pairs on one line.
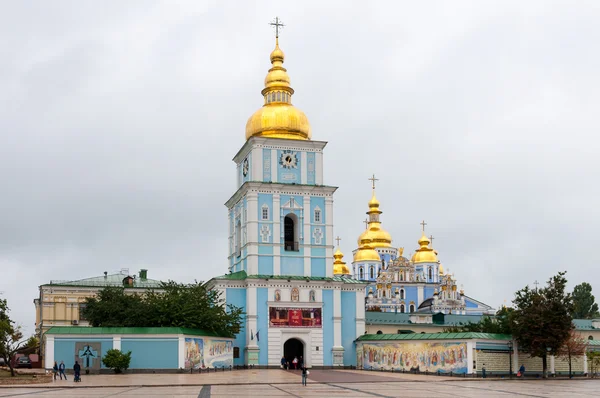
{"points": [[299, 296]]}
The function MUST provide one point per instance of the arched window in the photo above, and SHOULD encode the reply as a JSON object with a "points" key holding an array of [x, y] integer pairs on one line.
{"points": [[289, 233], [591, 338], [379, 332], [383, 292], [372, 272], [317, 215], [279, 96], [238, 238], [265, 212], [401, 276], [361, 273], [430, 273], [402, 308], [402, 295], [412, 308]]}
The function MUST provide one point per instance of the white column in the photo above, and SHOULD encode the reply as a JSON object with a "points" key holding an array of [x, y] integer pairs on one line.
{"points": [[303, 167], [252, 232], [419, 296], [337, 318], [257, 165], [319, 168], [329, 236], [181, 352], [360, 313], [251, 316], [274, 168], [585, 364], [551, 369], [470, 349], [276, 232], [117, 343], [49, 354], [307, 235], [515, 357]]}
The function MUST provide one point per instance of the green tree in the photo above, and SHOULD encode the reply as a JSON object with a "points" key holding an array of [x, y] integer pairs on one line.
{"points": [[32, 342], [117, 360], [179, 305], [541, 321], [584, 305], [11, 337]]}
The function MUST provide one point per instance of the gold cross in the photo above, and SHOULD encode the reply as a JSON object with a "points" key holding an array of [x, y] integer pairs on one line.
{"points": [[423, 223], [338, 239], [278, 25], [373, 179], [431, 239]]}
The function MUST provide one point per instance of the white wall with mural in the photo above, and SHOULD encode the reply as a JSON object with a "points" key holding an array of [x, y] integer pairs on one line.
{"points": [[431, 357], [204, 352]]}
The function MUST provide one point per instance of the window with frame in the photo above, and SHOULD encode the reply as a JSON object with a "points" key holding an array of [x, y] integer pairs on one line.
{"points": [[372, 272], [317, 215], [402, 295], [265, 212], [412, 308]]}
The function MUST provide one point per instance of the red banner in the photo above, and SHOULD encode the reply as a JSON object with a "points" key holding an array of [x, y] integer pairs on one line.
{"points": [[294, 317]]}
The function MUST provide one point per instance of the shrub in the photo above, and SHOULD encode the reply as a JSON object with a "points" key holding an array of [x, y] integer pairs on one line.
{"points": [[117, 360]]}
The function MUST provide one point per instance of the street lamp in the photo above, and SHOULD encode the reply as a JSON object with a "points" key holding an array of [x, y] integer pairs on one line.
{"points": [[510, 350]]}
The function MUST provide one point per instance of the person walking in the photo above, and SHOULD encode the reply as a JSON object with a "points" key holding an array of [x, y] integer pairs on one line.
{"points": [[77, 372], [61, 370], [304, 375], [55, 369], [283, 363], [295, 362], [521, 371]]}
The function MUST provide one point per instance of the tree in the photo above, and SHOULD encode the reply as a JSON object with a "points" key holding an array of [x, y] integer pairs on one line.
{"points": [[594, 361], [499, 324], [179, 305], [541, 321], [11, 337], [117, 360], [32, 342], [584, 305], [574, 346]]}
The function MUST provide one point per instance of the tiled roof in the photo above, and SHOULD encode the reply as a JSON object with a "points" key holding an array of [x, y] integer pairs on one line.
{"points": [[434, 336], [85, 330], [109, 280], [584, 324], [242, 275], [392, 318]]}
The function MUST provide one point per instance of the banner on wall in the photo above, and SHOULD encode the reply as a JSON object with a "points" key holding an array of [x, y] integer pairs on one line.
{"points": [[294, 317], [207, 353], [431, 357]]}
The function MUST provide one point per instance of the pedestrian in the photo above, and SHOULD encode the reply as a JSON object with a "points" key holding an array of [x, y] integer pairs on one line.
{"points": [[304, 374], [77, 372], [55, 369], [295, 362], [283, 363], [521, 371], [61, 370], [483, 370]]}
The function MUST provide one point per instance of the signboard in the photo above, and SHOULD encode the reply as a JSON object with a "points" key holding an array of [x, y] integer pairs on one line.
{"points": [[294, 317]]}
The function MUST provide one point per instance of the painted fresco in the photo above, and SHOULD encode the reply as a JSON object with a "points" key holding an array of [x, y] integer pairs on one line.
{"points": [[294, 317], [431, 357], [194, 353], [203, 353], [218, 353]]}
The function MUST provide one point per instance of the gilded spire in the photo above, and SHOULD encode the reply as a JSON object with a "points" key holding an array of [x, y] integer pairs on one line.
{"points": [[278, 118], [424, 254], [375, 235], [339, 266]]}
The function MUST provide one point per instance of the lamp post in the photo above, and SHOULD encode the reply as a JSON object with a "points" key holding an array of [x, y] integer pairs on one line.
{"points": [[510, 350]]}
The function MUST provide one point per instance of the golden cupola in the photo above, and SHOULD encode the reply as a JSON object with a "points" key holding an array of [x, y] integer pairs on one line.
{"points": [[424, 254], [339, 266], [366, 253], [278, 118], [374, 234]]}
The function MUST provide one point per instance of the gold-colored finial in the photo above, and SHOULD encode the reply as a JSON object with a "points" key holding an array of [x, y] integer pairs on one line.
{"points": [[338, 239], [423, 224], [278, 25], [373, 180]]}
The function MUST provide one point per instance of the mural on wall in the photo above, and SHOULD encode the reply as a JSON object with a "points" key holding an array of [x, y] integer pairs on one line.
{"points": [[88, 355], [203, 353], [294, 317], [218, 353], [194, 353], [431, 357]]}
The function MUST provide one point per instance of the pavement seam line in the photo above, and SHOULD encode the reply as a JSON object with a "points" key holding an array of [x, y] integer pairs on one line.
{"points": [[361, 391], [287, 392]]}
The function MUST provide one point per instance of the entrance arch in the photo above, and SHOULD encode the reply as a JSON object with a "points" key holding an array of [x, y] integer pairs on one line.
{"points": [[293, 348]]}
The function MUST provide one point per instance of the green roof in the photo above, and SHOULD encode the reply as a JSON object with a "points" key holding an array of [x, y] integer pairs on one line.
{"points": [[242, 275], [584, 324], [392, 318], [85, 330], [594, 343], [115, 280], [434, 336]]}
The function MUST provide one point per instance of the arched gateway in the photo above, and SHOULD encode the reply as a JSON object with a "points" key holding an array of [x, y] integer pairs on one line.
{"points": [[293, 348]]}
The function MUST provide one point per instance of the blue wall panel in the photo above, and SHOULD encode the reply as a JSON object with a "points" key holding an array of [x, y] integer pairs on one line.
{"points": [[152, 353], [317, 267], [349, 327], [262, 324], [64, 349], [265, 265], [237, 297], [429, 292], [292, 266], [317, 252], [327, 327]]}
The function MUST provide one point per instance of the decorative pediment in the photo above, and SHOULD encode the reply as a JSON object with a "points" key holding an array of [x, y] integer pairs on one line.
{"points": [[292, 204]]}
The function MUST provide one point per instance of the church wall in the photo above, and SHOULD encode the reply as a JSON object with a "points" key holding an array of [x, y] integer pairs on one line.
{"points": [[237, 297], [265, 265], [470, 304], [292, 265], [310, 168], [262, 323], [318, 252], [327, 327], [149, 353], [428, 292], [318, 267], [291, 175], [64, 349], [349, 327]]}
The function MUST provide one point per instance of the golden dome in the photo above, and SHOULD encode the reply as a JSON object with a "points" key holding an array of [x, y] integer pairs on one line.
{"points": [[424, 254], [375, 235], [441, 269], [339, 266], [278, 118], [366, 253]]}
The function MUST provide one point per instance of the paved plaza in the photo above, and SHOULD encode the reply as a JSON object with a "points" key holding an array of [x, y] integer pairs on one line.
{"points": [[322, 383]]}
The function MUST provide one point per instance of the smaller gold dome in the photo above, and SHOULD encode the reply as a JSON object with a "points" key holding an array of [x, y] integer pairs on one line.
{"points": [[376, 236], [441, 269], [366, 253], [339, 266], [424, 254]]}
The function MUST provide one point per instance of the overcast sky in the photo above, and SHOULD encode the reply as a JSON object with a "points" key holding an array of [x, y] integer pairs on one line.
{"points": [[119, 120]]}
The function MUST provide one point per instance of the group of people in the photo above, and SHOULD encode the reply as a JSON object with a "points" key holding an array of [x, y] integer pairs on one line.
{"points": [[296, 363], [60, 371]]}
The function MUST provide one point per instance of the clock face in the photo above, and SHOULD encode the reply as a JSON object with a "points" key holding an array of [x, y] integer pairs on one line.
{"points": [[288, 159], [245, 167]]}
